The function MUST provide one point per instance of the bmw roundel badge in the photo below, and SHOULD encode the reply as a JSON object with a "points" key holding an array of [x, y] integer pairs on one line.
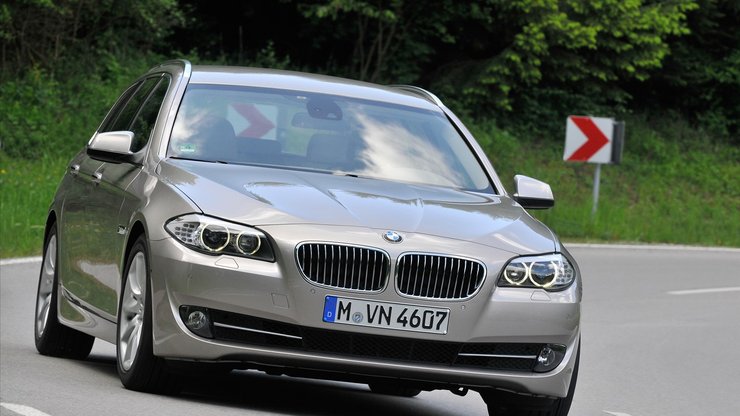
{"points": [[392, 237]]}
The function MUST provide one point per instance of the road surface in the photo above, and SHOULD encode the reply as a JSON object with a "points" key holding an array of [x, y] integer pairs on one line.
{"points": [[661, 336]]}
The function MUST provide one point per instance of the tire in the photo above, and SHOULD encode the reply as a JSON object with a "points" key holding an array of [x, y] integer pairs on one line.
{"points": [[138, 367], [501, 403], [51, 337], [392, 389]]}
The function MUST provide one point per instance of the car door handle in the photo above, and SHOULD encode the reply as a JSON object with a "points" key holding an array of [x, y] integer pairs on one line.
{"points": [[97, 177], [74, 169]]}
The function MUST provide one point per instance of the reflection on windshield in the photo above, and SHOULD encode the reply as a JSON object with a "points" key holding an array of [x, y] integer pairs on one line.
{"points": [[185, 128], [323, 133], [205, 135], [393, 152]]}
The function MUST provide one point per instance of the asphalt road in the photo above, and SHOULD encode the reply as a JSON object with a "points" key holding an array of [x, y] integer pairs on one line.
{"points": [[661, 336]]}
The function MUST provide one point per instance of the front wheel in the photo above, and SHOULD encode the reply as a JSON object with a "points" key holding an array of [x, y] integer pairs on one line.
{"points": [[501, 403], [51, 337], [138, 367]]}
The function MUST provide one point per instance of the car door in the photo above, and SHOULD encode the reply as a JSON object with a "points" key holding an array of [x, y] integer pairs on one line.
{"points": [[75, 259], [100, 260], [106, 202]]}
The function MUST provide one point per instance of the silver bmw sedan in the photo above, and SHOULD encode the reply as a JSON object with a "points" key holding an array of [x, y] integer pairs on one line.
{"points": [[306, 225]]}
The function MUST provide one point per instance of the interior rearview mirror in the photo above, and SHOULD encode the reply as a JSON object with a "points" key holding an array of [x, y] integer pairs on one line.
{"points": [[306, 121]]}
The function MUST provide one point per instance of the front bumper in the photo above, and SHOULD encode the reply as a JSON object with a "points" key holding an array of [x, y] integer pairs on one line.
{"points": [[278, 292]]}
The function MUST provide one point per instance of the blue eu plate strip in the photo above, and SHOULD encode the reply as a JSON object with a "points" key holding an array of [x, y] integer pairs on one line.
{"points": [[330, 308]]}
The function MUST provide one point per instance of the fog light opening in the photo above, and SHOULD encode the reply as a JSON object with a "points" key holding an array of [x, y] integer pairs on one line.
{"points": [[549, 357], [546, 357], [197, 320]]}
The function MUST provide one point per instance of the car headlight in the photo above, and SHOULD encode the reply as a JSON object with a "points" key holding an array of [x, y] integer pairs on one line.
{"points": [[213, 236], [549, 272]]}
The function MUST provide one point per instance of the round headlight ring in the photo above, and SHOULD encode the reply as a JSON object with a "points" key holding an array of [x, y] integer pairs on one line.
{"points": [[523, 270], [248, 234], [207, 228], [551, 278], [551, 272]]}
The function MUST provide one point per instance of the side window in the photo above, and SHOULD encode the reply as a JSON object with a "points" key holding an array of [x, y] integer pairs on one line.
{"points": [[147, 117], [117, 107], [127, 114]]}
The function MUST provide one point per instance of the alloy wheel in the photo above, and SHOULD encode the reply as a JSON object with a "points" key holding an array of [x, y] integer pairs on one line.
{"points": [[46, 286], [132, 311]]}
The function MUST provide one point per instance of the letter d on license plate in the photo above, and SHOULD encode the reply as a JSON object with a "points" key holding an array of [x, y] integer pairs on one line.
{"points": [[350, 311]]}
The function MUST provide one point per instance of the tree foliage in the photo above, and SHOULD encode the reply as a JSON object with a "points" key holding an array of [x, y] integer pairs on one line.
{"points": [[587, 43], [49, 33], [536, 61], [519, 62], [700, 78], [392, 40]]}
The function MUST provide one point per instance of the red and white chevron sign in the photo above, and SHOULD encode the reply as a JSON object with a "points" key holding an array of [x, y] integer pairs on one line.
{"points": [[253, 120], [588, 139]]}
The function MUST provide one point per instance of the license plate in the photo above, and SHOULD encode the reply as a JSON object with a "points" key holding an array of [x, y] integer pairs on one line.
{"points": [[399, 316]]}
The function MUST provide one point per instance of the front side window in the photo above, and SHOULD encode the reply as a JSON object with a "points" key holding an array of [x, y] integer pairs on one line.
{"points": [[137, 110], [126, 115], [118, 107], [317, 132], [144, 122]]}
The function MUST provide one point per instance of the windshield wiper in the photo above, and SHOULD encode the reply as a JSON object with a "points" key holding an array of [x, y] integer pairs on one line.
{"points": [[199, 160], [349, 174]]}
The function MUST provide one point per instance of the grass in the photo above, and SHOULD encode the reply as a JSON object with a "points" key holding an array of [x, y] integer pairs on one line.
{"points": [[674, 186], [44, 121], [26, 191]]}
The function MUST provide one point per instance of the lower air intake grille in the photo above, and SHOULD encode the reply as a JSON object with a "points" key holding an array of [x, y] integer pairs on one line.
{"points": [[250, 330]]}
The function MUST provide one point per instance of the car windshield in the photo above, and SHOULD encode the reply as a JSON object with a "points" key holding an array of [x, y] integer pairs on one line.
{"points": [[333, 134]]}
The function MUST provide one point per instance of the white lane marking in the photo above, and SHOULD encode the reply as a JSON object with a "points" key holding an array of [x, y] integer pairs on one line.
{"points": [[703, 291], [22, 260], [616, 413], [23, 410], [667, 247]]}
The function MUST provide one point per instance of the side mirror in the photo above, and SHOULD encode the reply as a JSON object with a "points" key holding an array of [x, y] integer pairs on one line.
{"points": [[113, 147], [533, 194]]}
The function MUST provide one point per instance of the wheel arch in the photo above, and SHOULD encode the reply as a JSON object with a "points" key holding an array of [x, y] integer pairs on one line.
{"points": [[51, 219], [137, 229]]}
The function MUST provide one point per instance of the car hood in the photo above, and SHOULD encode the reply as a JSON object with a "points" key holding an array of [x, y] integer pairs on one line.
{"points": [[261, 196]]}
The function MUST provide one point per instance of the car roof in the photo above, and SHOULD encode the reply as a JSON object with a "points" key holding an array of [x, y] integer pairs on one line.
{"points": [[300, 81]]}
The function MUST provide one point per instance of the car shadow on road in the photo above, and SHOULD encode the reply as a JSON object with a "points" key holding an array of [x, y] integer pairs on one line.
{"points": [[257, 391], [101, 363], [288, 395]]}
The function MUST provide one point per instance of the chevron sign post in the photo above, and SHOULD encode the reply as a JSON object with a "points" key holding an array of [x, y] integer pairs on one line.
{"points": [[594, 140]]}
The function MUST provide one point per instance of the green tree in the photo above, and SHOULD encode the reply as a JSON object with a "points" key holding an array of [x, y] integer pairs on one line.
{"points": [[392, 40], [65, 61], [53, 33], [582, 48], [505, 58], [700, 79]]}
